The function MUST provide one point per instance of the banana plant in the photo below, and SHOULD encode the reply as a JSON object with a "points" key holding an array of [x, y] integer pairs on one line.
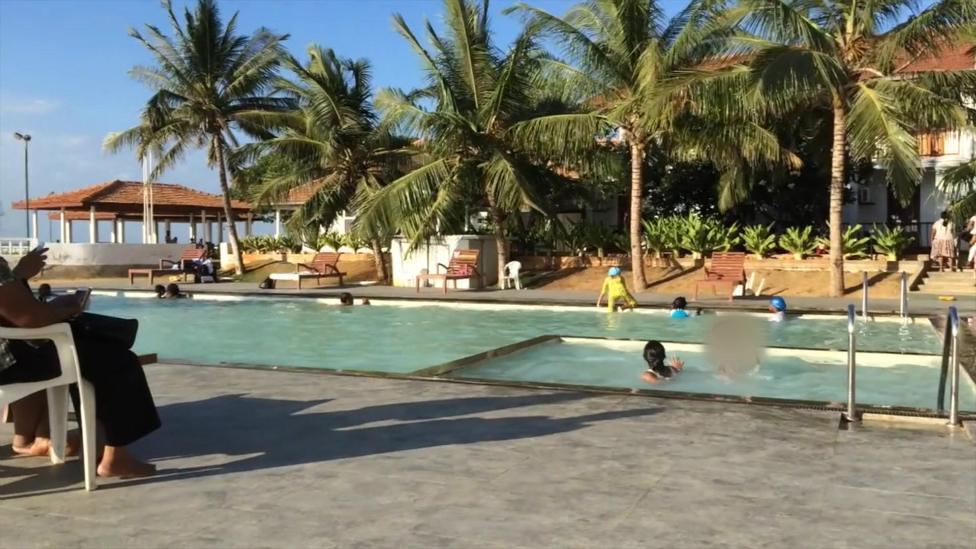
{"points": [[891, 241], [759, 239], [799, 242], [852, 243]]}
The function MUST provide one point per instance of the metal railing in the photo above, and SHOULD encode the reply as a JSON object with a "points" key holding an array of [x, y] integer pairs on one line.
{"points": [[16, 246], [903, 301], [851, 414], [864, 294], [953, 324]]}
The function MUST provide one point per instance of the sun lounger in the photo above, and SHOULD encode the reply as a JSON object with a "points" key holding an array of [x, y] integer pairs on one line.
{"points": [[463, 265], [323, 265], [727, 268]]}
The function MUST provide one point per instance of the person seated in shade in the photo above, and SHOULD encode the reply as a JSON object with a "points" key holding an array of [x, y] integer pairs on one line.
{"points": [[657, 370], [125, 410], [615, 288], [777, 306], [346, 300]]}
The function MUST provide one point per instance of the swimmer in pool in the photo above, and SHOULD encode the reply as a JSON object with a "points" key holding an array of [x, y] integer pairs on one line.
{"points": [[777, 306], [657, 371]]}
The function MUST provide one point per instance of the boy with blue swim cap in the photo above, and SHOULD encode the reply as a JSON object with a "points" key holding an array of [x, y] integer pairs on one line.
{"points": [[615, 288], [777, 306]]}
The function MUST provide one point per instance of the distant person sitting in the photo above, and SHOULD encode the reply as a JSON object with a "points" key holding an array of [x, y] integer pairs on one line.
{"points": [[657, 370], [777, 306], [160, 291], [204, 268], [365, 301], [173, 292], [346, 300], [44, 293]]}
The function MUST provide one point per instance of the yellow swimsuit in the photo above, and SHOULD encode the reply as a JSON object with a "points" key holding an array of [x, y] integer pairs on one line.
{"points": [[615, 289]]}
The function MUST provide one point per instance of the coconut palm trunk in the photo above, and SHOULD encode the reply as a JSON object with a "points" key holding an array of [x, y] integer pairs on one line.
{"points": [[501, 243], [636, 191], [378, 260], [837, 200], [228, 210]]}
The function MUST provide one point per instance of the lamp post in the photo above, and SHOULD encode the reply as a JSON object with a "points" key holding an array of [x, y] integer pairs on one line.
{"points": [[26, 139]]}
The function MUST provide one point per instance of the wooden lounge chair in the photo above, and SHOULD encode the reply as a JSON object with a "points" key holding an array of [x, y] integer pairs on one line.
{"points": [[182, 267], [185, 265], [727, 268], [323, 265], [463, 265]]}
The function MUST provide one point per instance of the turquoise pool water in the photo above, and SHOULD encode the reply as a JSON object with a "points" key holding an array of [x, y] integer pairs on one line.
{"points": [[882, 379], [406, 337]]}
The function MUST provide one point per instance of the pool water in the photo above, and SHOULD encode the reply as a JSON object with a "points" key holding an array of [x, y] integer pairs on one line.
{"points": [[882, 379]]}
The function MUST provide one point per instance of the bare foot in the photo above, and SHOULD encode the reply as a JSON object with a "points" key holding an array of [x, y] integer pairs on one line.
{"points": [[40, 447], [117, 462]]}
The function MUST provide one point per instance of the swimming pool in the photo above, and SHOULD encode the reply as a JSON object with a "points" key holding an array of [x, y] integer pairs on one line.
{"points": [[883, 379], [403, 337]]}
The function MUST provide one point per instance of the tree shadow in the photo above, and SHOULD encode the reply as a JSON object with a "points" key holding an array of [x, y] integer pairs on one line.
{"points": [[268, 433]]}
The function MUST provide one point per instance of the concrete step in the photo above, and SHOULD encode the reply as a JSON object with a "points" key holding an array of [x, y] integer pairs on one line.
{"points": [[950, 277], [960, 285]]}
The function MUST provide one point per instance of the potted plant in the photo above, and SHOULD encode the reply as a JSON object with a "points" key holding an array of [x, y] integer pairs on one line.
{"points": [[853, 244], [759, 239], [799, 242], [891, 241]]}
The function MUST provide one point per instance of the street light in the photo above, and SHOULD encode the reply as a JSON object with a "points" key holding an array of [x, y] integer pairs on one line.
{"points": [[26, 139]]}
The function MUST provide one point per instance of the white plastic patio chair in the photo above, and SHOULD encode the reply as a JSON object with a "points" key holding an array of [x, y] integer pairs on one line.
{"points": [[57, 394], [512, 269]]}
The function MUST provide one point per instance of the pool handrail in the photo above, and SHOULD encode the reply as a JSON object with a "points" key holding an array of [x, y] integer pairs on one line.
{"points": [[903, 298], [953, 326], [864, 294], [851, 414]]}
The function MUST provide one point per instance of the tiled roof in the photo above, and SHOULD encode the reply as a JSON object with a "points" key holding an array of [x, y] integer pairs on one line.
{"points": [[300, 194], [125, 194], [80, 216], [955, 57]]}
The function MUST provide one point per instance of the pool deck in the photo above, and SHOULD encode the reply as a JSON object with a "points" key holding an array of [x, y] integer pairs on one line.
{"points": [[256, 458], [918, 303]]}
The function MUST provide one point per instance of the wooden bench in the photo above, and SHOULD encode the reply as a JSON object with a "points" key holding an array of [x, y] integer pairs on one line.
{"points": [[323, 265], [727, 268], [463, 265]]}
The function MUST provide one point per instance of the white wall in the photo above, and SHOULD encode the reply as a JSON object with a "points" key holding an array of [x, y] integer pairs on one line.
{"points": [[406, 266], [112, 254]]}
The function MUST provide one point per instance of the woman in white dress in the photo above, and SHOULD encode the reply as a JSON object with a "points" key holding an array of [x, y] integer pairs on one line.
{"points": [[944, 242]]}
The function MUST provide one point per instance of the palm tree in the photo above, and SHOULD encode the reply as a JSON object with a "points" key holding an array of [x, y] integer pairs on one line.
{"points": [[209, 82], [851, 57], [630, 64], [464, 121], [332, 141]]}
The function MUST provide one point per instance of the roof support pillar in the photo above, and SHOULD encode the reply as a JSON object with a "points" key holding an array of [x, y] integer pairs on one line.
{"points": [[167, 227], [67, 232], [120, 231], [92, 226], [113, 235], [277, 223], [193, 229], [206, 226], [64, 230], [34, 225]]}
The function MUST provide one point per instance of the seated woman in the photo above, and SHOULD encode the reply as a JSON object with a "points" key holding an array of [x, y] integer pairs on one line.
{"points": [[125, 407]]}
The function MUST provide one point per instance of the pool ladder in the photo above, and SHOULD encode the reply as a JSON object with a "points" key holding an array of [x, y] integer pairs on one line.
{"points": [[850, 415], [950, 366]]}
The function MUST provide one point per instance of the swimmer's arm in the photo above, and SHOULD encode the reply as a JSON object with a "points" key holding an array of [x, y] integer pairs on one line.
{"points": [[603, 290]]}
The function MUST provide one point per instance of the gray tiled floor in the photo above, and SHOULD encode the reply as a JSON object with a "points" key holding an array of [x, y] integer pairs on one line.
{"points": [[272, 459]]}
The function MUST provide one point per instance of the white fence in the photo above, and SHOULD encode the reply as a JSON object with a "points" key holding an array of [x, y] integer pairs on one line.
{"points": [[13, 247]]}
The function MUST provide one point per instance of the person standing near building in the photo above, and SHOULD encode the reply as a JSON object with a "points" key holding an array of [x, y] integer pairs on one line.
{"points": [[944, 242]]}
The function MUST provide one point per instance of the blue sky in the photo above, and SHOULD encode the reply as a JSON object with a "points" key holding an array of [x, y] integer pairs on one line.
{"points": [[64, 65]]}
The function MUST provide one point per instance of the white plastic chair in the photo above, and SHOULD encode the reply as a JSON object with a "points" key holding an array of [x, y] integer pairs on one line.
{"points": [[57, 394], [512, 269]]}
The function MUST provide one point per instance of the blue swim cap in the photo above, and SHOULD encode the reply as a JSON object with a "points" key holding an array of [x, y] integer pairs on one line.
{"points": [[778, 303], [614, 271]]}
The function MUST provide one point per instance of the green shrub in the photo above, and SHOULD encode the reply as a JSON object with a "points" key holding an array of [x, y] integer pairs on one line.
{"points": [[333, 240], [703, 235], [853, 245], [759, 239], [799, 242], [891, 241]]}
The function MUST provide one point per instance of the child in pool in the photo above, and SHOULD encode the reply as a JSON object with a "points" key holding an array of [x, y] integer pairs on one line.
{"points": [[657, 371], [777, 306], [615, 288], [679, 308]]}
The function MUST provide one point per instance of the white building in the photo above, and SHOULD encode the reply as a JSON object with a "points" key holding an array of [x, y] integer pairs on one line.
{"points": [[873, 203]]}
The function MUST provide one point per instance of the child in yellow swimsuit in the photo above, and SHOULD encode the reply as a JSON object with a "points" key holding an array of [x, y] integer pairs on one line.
{"points": [[615, 288]]}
